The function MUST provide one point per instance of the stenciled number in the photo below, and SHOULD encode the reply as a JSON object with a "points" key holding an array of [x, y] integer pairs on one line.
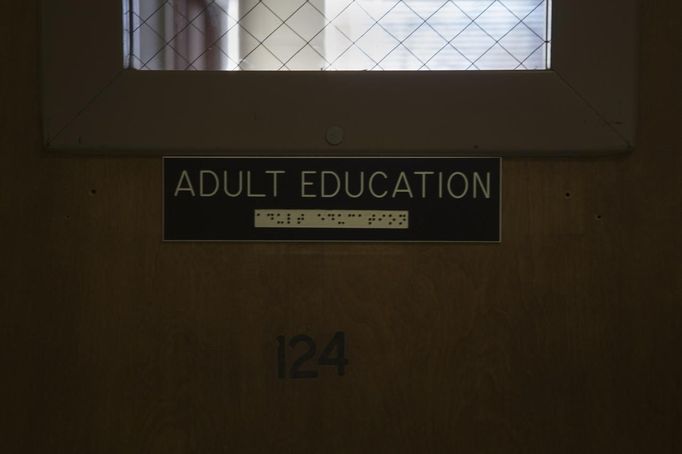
{"points": [[334, 354], [296, 371]]}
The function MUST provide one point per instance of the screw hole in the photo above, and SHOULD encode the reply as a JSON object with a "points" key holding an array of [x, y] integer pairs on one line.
{"points": [[598, 217], [93, 191], [568, 195]]}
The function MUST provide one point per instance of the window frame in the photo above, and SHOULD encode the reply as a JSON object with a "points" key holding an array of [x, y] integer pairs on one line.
{"points": [[584, 105]]}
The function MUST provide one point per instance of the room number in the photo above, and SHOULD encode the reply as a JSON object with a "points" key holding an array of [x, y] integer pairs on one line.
{"points": [[303, 364]]}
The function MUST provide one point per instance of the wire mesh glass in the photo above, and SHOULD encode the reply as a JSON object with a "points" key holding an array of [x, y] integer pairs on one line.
{"points": [[316, 35]]}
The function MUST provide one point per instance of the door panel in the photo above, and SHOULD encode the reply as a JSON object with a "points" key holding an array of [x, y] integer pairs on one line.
{"points": [[564, 338]]}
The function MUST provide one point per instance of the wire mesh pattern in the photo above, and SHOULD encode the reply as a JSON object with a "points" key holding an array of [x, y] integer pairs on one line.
{"points": [[337, 34]]}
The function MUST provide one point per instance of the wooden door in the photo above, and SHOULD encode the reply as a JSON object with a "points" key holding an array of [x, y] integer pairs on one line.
{"points": [[565, 338]]}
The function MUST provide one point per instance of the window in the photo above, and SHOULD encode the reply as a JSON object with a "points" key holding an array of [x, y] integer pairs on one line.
{"points": [[336, 34], [583, 104]]}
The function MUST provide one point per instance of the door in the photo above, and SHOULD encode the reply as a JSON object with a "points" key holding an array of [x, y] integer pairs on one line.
{"points": [[564, 338]]}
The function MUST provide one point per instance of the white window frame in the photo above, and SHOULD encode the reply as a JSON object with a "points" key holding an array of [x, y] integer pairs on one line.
{"points": [[584, 105]]}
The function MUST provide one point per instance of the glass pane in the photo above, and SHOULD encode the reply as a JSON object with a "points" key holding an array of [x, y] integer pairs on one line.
{"points": [[316, 35]]}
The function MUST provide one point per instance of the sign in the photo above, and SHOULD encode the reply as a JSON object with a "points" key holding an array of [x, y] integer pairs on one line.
{"points": [[331, 199]]}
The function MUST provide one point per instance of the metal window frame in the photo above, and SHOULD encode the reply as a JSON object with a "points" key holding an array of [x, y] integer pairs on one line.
{"points": [[584, 105]]}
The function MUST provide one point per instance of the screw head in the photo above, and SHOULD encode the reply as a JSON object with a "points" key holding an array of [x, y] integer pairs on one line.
{"points": [[334, 135]]}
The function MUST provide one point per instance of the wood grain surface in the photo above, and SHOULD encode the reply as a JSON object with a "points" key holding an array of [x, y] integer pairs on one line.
{"points": [[565, 338]]}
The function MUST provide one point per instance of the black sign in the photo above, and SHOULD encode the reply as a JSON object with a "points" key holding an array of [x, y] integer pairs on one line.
{"points": [[331, 199]]}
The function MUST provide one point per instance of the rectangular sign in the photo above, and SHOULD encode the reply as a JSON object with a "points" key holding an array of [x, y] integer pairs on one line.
{"points": [[331, 199]]}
